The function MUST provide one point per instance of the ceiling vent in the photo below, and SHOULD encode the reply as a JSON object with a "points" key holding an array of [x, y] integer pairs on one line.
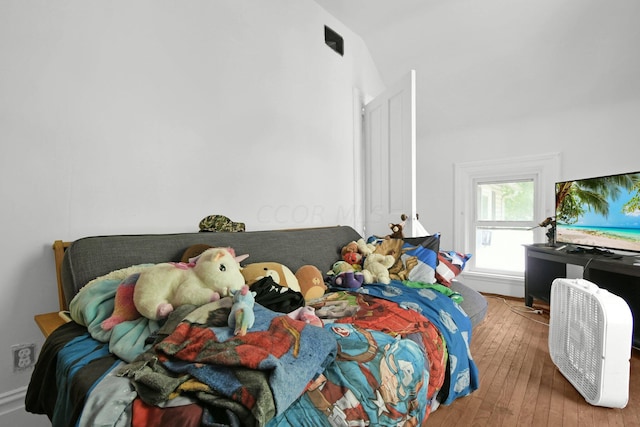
{"points": [[334, 40]]}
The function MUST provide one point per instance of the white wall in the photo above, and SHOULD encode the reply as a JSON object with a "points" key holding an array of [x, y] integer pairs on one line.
{"points": [[527, 78], [592, 141], [145, 116], [503, 79], [507, 78]]}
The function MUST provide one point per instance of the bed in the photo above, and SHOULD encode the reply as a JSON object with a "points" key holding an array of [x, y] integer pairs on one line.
{"points": [[378, 354]]}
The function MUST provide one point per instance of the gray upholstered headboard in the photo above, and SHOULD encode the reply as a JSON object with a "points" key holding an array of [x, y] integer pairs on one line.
{"points": [[91, 257]]}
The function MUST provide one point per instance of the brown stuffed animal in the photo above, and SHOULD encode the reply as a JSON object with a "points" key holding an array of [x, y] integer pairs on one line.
{"points": [[355, 252], [400, 269], [311, 282], [396, 229], [281, 274]]}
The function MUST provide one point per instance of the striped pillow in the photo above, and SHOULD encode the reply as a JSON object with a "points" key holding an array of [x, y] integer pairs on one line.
{"points": [[450, 265]]}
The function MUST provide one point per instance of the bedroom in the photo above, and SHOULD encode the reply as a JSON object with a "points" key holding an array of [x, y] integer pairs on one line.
{"points": [[129, 118]]}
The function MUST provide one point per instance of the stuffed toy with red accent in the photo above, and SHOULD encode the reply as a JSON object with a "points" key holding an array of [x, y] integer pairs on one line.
{"points": [[355, 252]]}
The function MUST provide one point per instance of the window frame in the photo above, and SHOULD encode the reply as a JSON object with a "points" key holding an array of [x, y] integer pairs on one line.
{"points": [[542, 169], [499, 224]]}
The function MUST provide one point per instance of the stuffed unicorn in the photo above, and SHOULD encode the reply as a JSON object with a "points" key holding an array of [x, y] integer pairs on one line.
{"points": [[215, 273], [155, 292], [242, 317]]}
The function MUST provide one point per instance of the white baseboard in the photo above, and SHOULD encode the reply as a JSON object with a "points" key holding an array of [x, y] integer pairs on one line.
{"points": [[13, 413], [12, 400], [507, 286]]}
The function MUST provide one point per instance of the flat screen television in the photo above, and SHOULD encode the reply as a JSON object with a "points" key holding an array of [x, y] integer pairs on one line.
{"points": [[600, 212]]}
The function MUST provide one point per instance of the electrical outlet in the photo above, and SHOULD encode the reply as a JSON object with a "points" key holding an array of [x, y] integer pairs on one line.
{"points": [[24, 356]]}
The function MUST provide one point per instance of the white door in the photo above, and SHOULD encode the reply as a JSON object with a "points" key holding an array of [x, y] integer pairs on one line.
{"points": [[390, 159]]}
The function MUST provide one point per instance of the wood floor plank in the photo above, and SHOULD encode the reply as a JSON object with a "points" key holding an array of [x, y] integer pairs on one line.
{"points": [[556, 403], [532, 386], [518, 391], [497, 370], [505, 412], [520, 385], [631, 414], [543, 400]]}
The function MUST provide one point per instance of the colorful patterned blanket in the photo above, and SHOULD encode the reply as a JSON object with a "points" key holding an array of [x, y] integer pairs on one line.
{"points": [[384, 355], [451, 321], [396, 347], [259, 374]]}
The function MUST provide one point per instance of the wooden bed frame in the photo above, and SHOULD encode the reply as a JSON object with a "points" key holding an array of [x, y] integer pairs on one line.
{"points": [[48, 322]]}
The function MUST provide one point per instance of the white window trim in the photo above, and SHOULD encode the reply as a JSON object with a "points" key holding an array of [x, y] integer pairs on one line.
{"points": [[545, 168]]}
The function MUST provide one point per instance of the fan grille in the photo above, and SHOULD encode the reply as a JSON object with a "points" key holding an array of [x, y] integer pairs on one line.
{"points": [[577, 341]]}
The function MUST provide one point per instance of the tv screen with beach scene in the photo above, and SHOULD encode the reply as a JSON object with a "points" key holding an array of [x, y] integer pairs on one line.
{"points": [[600, 212]]}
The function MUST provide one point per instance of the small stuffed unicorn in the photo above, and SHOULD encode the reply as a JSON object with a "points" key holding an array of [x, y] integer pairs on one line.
{"points": [[242, 317]]}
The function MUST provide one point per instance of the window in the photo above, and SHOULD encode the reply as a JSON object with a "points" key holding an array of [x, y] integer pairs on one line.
{"points": [[498, 206], [504, 221]]}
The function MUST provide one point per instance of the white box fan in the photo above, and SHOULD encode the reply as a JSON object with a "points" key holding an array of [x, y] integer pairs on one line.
{"points": [[590, 340]]}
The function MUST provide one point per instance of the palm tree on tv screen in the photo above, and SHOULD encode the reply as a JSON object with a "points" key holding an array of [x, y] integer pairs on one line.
{"points": [[573, 198]]}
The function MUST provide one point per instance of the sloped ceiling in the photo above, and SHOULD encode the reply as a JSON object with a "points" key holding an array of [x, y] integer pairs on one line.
{"points": [[479, 63]]}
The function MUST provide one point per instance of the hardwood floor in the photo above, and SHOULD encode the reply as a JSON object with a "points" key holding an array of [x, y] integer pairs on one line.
{"points": [[520, 385]]}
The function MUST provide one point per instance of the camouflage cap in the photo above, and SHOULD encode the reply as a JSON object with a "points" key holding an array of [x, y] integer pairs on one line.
{"points": [[217, 223]]}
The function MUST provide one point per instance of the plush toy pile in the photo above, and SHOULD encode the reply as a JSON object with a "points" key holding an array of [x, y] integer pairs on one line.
{"points": [[383, 259], [207, 274]]}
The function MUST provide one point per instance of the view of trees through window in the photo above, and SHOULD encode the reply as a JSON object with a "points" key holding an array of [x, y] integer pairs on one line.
{"points": [[504, 223]]}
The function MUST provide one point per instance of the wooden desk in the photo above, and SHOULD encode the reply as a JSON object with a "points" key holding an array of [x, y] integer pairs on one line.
{"points": [[619, 276], [49, 322]]}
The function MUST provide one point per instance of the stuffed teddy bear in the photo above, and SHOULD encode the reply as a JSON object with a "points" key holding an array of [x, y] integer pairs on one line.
{"points": [[242, 316], [376, 268], [365, 248], [392, 247], [281, 274], [311, 282], [351, 254], [161, 288], [395, 248], [354, 252], [404, 263]]}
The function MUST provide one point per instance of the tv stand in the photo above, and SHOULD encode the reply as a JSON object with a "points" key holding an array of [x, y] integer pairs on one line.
{"points": [[592, 251], [615, 273]]}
